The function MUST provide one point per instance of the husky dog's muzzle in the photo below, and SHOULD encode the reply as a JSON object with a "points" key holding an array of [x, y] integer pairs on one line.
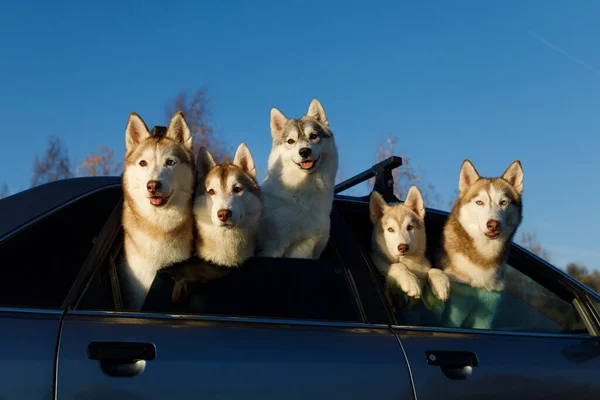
{"points": [[494, 229], [308, 164], [157, 196]]}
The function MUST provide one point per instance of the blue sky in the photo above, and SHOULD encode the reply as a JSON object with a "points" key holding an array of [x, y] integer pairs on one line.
{"points": [[485, 80]]}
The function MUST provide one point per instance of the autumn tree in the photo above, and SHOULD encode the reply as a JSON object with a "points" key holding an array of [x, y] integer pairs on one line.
{"points": [[197, 110], [102, 163], [52, 165], [408, 174], [582, 274]]}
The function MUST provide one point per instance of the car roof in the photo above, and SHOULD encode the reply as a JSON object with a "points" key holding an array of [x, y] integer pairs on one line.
{"points": [[22, 207]]}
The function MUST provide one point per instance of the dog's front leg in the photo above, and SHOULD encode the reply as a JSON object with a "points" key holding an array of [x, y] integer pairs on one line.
{"points": [[440, 284], [407, 281]]}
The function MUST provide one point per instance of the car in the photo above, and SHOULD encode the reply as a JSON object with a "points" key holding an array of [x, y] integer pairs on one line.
{"points": [[275, 328]]}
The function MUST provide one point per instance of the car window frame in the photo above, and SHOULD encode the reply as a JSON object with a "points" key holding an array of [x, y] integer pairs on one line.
{"points": [[367, 295]]}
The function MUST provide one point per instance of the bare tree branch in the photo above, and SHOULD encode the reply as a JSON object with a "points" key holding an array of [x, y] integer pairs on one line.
{"points": [[197, 112], [53, 165], [530, 241], [409, 174]]}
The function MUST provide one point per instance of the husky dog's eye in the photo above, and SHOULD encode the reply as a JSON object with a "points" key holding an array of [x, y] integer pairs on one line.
{"points": [[390, 229], [479, 202], [409, 227], [143, 163], [313, 136], [291, 141], [503, 202], [211, 192], [237, 189], [170, 162]]}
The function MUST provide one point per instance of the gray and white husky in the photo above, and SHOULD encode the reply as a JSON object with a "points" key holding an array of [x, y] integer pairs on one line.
{"points": [[298, 190], [399, 242], [158, 184]]}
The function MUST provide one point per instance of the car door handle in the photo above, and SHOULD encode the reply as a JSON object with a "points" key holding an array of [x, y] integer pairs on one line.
{"points": [[456, 365], [122, 358]]}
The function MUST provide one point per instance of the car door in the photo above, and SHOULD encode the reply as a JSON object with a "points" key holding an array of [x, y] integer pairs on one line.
{"points": [[540, 341], [40, 261], [278, 328]]}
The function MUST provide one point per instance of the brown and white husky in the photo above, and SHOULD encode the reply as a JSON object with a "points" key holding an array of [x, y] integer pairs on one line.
{"points": [[158, 184], [477, 236], [399, 242], [227, 208]]}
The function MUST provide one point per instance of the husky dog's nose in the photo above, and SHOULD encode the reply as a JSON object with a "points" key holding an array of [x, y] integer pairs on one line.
{"points": [[403, 248], [224, 215], [493, 225], [153, 186], [304, 152]]}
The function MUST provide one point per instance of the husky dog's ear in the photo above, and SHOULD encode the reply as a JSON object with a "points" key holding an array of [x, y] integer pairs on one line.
{"points": [[179, 131], [316, 111], [468, 176], [377, 207], [278, 121], [514, 175], [204, 162], [244, 160], [414, 201], [135, 132]]}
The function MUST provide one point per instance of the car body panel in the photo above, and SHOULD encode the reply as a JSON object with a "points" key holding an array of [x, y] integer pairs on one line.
{"points": [[510, 365], [28, 341], [229, 358]]}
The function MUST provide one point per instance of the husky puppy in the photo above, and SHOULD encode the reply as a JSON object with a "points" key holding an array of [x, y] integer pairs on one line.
{"points": [[298, 190], [158, 184], [227, 208], [399, 243], [477, 235]]}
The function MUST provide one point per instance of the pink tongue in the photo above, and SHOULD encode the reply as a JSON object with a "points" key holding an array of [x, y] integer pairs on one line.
{"points": [[157, 201], [307, 164]]}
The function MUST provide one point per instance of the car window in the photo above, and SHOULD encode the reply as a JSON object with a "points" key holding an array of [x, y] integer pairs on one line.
{"points": [[41, 261], [523, 306], [262, 288]]}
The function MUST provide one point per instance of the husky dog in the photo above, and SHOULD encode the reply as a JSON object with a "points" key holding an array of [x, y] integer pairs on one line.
{"points": [[227, 208], [399, 243], [158, 184], [298, 190], [480, 228]]}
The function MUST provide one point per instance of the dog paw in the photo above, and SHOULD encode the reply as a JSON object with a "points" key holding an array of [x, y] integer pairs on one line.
{"points": [[440, 284], [407, 280]]}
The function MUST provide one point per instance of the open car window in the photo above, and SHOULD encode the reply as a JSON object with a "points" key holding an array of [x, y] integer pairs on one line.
{"points": [[282, 288], [524, 306], [262, 288]]}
